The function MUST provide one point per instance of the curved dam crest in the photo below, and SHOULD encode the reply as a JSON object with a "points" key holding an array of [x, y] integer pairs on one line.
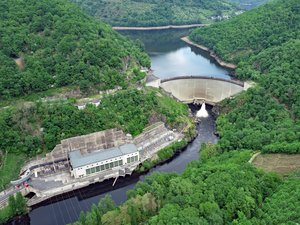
{"points": [[189, 89]]}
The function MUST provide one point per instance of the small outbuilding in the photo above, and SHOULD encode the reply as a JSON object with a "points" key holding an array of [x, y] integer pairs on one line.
{"points": [[80, 105], [95, 102]]}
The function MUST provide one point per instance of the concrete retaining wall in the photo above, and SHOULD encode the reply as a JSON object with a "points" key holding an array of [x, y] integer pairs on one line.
{"points": [[212, 90]]}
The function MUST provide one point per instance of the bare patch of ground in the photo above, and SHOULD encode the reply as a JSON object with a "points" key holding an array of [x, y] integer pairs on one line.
{"points": [[20, 63], [279, 163]]}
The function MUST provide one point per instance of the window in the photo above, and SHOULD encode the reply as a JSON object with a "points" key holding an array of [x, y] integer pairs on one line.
{"points": [[97, 168], [107, 166], [116, 163], [136, 158], [93, 170], [120, 162], [131, 159], [88, 171], [102, 167], [111, 165]]}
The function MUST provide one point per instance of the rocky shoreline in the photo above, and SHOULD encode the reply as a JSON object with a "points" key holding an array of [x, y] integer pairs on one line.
{"points": [[212, 54], [162, 27]]}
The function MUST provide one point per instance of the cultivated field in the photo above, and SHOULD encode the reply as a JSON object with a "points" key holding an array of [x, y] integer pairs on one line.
{"points": [[279, 163]]}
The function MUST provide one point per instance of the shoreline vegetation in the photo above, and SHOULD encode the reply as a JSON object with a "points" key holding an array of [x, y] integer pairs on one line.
{"points": [[163, 156], [211, 52], [175, 118], [162, 27], [264, 117], [16, 207]]}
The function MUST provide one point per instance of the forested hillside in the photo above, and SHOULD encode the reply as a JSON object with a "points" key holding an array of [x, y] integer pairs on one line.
{"points": [[35, 128], [265, 43], [270, 25], [219, 190], [155, 12], [48, 44], [222, 187]]}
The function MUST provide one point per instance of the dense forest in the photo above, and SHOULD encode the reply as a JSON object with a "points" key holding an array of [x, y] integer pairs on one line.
{"points": [[265, 43], [268, 26], [58, 45], [222, 187], [156, 12], [35, 128]]}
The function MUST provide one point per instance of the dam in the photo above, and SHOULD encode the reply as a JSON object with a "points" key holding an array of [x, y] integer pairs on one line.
{"points": [[191, 89], [167, 52]]}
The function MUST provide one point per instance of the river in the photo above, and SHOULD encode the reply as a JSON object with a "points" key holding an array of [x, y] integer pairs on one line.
{"points": [[170, 57]]}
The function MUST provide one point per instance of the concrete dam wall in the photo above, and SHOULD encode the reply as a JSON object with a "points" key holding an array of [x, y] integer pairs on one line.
{"points": [[189, 89]]}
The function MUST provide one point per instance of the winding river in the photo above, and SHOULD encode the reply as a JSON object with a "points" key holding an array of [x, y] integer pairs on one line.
{"points": [[170, 57]]}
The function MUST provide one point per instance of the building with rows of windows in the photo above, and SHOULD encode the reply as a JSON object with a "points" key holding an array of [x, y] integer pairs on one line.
{"points": [[102, 160]]}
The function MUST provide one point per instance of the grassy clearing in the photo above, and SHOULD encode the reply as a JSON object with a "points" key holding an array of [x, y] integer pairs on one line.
{"points": [[282, 164], [10, 167]]}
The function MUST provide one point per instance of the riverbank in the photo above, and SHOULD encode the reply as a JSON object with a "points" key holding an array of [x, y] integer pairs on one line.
{"points": [[162, 27], [56, 209], [84, 192], [108, 184], [163, 156], [52, 175], [211, 52]]}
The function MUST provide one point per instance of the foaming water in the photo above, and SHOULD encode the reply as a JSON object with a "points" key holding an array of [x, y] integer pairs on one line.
{"points": [[202, 112]]}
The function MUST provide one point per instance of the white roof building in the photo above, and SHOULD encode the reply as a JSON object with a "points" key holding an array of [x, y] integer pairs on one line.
{"points": [[102, 160]]}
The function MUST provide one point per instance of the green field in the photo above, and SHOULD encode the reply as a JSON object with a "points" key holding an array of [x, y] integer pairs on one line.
{"points": [[10, 166]]}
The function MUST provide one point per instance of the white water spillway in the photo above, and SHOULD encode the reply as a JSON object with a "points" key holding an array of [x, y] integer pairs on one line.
{"points": [[202, 112]]}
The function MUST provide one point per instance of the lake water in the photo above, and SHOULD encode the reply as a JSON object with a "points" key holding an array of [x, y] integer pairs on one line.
{"points": [[170, 57]]}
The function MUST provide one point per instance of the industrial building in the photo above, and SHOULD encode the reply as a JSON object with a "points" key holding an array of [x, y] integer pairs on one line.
{"points": [[102, 160]]}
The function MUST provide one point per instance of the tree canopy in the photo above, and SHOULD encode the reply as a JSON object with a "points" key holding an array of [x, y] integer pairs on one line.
{"points": [[33, 128], [156, 12], [222, 187], [265, 43], [48, 44]]}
